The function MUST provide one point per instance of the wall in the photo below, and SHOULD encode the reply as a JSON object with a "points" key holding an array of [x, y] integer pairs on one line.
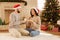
{"points": [[25, 9]]}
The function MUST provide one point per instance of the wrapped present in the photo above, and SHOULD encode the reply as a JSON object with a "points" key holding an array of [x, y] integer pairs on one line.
{"points": [[55, 29], [50, 27], [44, 27]]}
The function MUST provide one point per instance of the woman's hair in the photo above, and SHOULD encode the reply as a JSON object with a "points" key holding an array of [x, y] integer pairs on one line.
{"points": [[34, 11]]}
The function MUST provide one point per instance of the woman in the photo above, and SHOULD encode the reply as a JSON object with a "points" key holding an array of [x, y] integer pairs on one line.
{"points": [[33, 23]]}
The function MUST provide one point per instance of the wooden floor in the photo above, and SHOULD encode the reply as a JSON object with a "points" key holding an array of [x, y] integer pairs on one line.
{"points": [[54, 33]]}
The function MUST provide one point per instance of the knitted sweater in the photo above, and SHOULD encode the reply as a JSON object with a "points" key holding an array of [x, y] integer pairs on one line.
{"points": [[14, 21], [35, 23]]}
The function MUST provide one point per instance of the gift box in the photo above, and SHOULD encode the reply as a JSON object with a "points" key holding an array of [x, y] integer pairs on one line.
{"points": [[55, 29], [44, 27]]}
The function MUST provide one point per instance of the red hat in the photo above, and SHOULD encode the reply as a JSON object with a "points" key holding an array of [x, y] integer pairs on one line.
{"points": [[17, 6], [37, 10]]}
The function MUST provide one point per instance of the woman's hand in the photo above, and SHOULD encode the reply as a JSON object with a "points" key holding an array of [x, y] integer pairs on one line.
{"points": [[30, 20], [25, 19]]}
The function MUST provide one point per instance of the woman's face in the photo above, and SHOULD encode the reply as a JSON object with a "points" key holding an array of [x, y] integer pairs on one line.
{"points": [[33, 12]]}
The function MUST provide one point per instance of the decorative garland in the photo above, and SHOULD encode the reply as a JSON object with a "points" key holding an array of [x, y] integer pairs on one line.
{"points": [[21, 1]]}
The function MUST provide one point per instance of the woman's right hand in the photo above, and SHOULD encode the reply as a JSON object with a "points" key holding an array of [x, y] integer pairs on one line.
{"points": [[25, 19]]}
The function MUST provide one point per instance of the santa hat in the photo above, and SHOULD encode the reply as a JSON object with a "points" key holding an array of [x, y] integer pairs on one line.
{"points": [[37, 10], [17, 6]]}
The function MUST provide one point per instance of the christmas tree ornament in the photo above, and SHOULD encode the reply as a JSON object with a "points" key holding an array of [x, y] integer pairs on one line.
{"points": [[59, 14], [58, 22], [50, 27], [45, 19], [44, 27]]}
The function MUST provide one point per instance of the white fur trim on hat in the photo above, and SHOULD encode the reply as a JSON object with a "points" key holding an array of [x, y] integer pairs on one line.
{"points": [[36, 9], [18, 7]]}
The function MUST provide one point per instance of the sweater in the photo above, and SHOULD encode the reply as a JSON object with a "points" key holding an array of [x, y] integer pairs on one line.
{"points": [[14, 21], [34, 23]]}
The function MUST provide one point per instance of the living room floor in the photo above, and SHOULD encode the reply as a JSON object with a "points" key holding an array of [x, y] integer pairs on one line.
{"points": [[42, 36]]}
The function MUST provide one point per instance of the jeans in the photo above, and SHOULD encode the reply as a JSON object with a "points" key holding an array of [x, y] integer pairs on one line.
{"points": [[33, 32]]}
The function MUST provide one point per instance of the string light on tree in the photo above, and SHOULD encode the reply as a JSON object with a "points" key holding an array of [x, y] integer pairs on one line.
{"points": [[50, 12]]}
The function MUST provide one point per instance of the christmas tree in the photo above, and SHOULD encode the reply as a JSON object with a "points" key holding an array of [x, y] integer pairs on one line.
{"points": [[51, 13], [0, 21]]}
